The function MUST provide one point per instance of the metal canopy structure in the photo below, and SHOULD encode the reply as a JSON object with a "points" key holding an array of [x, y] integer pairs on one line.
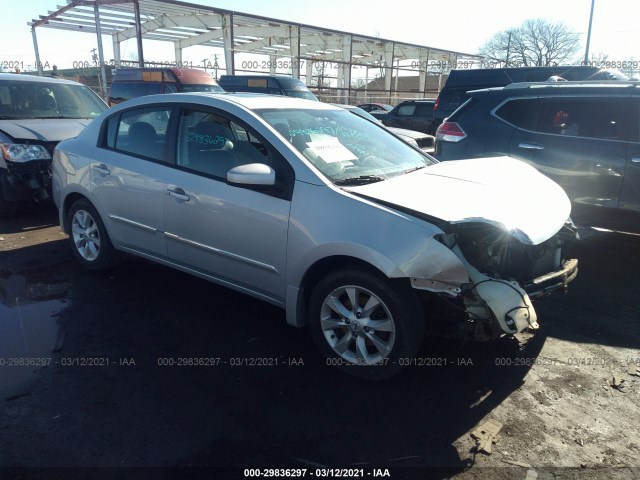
{"points": [[187, 24]]}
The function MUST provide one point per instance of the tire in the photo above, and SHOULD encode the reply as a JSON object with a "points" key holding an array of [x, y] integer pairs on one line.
{"points": [[89, 240], [372, 340]]}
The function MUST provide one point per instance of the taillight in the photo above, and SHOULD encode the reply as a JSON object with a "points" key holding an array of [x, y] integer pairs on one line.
{"points": [[435, 105], [450, 132]]}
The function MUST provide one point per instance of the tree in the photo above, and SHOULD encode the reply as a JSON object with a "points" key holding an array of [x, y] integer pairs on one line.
{"points": [[537, 42]]}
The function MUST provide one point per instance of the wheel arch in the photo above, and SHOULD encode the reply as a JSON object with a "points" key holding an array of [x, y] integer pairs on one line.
{"points": [[298, 314], [69, 200]]}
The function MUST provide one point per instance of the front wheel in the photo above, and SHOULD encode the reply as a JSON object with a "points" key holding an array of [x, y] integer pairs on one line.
{"points": [[90, 242], [365, 324]]}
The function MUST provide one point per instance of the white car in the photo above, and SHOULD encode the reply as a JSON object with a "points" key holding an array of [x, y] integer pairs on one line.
{"points": [[316, 210]]}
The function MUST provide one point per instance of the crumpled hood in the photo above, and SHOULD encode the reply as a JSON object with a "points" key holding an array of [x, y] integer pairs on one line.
{"points": [[499, 190], [43, 129]]}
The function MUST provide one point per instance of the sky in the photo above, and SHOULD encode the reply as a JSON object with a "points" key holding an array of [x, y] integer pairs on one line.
{"points": [[459, 25]]}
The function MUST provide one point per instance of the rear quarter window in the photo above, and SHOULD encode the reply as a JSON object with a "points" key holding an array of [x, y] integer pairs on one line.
{"points": [[424, 110], [128, 90], [450, 99]]}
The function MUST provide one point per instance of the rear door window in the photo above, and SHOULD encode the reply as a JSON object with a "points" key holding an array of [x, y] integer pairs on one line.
{"points": [[523, 113], [602, 118], [406, 110], [141, 132], [424, 110]]}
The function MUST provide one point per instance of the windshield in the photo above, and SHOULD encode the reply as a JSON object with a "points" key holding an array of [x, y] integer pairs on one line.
{"points": [[201, 87], [346, 148], [300, 94], [21, 99]]}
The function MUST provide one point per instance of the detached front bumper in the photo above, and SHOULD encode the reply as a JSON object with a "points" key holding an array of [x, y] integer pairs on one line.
{"points": [[553, 281]]}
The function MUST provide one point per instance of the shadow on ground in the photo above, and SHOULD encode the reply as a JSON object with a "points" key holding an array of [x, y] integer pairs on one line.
{"points": [[131, 409]]}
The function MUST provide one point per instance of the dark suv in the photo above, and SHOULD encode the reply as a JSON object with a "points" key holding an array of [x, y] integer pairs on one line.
{"points": [[412, 115], [454, 93], [583, 135]]}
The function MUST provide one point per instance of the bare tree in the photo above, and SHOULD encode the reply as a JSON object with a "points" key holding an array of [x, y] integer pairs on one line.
{"points": [[537, 42], [599, 58]]}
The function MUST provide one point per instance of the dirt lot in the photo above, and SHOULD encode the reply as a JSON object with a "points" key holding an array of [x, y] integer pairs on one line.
{"points": [[98, 391]]}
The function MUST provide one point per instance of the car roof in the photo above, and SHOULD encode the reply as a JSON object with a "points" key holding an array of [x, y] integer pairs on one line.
{"points": [[602, 86], [22, 77], [251, 101]]}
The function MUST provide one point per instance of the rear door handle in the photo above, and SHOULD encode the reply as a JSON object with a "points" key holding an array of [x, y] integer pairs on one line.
{"points": [[101, 169], [178, 193], [531, 146]]}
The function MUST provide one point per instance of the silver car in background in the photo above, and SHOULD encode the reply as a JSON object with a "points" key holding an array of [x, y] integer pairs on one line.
{"points": [[318, 211]]}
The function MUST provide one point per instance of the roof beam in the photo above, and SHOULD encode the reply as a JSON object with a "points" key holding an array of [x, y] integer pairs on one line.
{"points": [[168, 21]]}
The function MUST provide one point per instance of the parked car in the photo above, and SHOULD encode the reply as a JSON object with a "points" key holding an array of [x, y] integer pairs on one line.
{"points": [[418, 139], [131, 83], [320, 212], [269, 84], [411, 114], [35, 114], [583, 135], [375, 107], [460, 81]]}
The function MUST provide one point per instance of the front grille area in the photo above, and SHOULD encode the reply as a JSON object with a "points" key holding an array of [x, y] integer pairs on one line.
{"points": [[19, 168], [497, 254]]}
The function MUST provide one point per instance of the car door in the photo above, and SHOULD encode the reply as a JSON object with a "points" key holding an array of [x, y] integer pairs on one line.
{"points": [[422, 118], [236, 235], [630, 193], [581, 144], [128, 175]]}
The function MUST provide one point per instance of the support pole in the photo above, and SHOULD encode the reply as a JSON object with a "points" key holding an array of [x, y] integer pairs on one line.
{"points": [[422, 69], [35, 48], [586, 52], [103, 71], [177, 53], [116, 50], [272, 64], [389, 50], [309, 70], [294, 45], [227, 36], [136, 9]]}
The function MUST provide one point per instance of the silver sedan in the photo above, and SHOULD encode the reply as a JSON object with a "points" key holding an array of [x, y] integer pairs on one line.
{"points": [[304, 205]]}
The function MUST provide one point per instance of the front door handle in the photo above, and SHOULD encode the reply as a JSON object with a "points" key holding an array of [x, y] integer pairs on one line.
{"points": [[178, 193], [531, 146], [635, 159], [101, 169]]}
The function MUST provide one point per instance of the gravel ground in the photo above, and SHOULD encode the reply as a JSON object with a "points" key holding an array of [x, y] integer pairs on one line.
{"points": [[567, 398]]}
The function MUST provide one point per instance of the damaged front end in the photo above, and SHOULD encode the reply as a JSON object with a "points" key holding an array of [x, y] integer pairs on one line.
{"points": [[506, 270], [25, 172]]}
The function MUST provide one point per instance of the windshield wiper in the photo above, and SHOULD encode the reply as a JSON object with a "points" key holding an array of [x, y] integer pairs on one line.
{"points": [[413, 169], [62, 116], [361, 180]]}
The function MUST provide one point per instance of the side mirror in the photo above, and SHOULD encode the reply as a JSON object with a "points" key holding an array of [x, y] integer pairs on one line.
{"points": [[252, 174]]}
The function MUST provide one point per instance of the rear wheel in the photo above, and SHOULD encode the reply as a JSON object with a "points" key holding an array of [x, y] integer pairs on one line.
{"points": [[365, 324], [90, 242]]}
